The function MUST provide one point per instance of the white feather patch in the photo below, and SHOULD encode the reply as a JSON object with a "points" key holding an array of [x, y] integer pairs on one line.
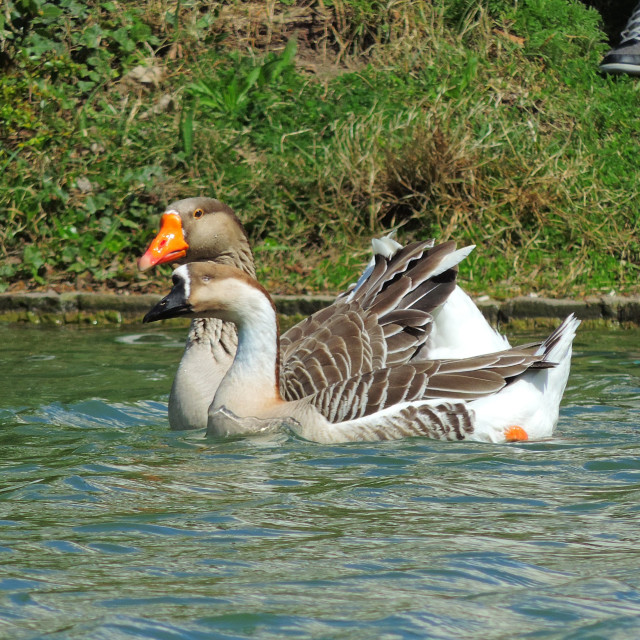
{"points": [[385, 246], [182, 272]]}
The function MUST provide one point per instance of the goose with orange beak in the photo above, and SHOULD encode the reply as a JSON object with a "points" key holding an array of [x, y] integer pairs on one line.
{"points": [[193, 230]]}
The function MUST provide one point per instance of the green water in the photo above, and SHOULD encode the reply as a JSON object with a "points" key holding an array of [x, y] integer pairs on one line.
{"points": [[112, 527]]}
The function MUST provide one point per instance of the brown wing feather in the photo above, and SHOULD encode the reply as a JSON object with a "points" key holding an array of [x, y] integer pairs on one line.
{"points": [[464, 379], [386, 270], [330, 349], [384, 323]]}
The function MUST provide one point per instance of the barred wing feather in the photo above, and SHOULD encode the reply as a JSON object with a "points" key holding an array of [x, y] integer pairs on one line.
{"points": [[384, 321], [468, 379]]}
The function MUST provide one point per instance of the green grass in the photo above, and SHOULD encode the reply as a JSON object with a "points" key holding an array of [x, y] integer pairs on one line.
{"points": [[483, 122]]}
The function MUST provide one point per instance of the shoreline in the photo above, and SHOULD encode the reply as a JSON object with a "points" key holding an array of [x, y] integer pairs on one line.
{"points": [[51, 308]]}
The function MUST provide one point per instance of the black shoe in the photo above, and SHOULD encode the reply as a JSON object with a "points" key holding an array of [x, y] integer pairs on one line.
{"points": [[623, 59]]}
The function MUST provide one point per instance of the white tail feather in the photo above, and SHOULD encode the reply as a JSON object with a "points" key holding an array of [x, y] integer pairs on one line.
{"points": [[385, 246]]}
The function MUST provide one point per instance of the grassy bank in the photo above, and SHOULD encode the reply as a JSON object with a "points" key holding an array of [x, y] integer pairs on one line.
{"points": [[320, 124]]}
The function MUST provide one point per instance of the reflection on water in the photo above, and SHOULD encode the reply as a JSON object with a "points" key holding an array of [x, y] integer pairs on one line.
{"points": [[113, 527]]}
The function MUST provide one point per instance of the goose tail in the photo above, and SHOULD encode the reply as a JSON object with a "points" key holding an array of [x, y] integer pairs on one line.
{"points": [[557, 347], [528, 408]]}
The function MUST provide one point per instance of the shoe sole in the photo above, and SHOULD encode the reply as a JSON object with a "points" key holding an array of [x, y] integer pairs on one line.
{"points": [[618, 67]]}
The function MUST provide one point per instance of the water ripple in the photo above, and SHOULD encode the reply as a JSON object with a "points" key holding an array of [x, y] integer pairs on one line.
{"points": [[113, 527]]}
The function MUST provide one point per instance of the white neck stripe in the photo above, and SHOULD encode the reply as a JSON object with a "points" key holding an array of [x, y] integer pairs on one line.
{"points": [[183, 273]]}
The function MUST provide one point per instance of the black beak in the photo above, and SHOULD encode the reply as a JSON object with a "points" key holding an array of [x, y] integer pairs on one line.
{"points": [[172, 305]]}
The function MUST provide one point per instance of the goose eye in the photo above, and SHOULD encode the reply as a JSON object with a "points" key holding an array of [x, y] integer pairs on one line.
{"points": [[198, 213]]}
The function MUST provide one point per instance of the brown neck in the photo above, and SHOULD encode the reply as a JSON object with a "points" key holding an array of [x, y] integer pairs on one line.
{"points": [[240, 257]]}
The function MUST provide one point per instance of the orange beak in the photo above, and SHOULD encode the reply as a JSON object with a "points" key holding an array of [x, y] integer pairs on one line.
{"points": [[167, 246]]}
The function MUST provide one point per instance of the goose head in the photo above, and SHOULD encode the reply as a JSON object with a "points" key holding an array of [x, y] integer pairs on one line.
{"points": [[211, 290], [199, 229]]}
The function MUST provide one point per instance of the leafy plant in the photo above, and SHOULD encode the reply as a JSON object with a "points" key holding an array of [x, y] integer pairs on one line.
{"points": [[244, 91]]}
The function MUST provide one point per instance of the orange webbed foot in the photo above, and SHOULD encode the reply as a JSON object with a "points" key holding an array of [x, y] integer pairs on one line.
{"points": [[515, 434]]}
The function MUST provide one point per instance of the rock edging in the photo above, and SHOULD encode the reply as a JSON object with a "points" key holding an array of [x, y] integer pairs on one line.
{"points": [[98, 308]]}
